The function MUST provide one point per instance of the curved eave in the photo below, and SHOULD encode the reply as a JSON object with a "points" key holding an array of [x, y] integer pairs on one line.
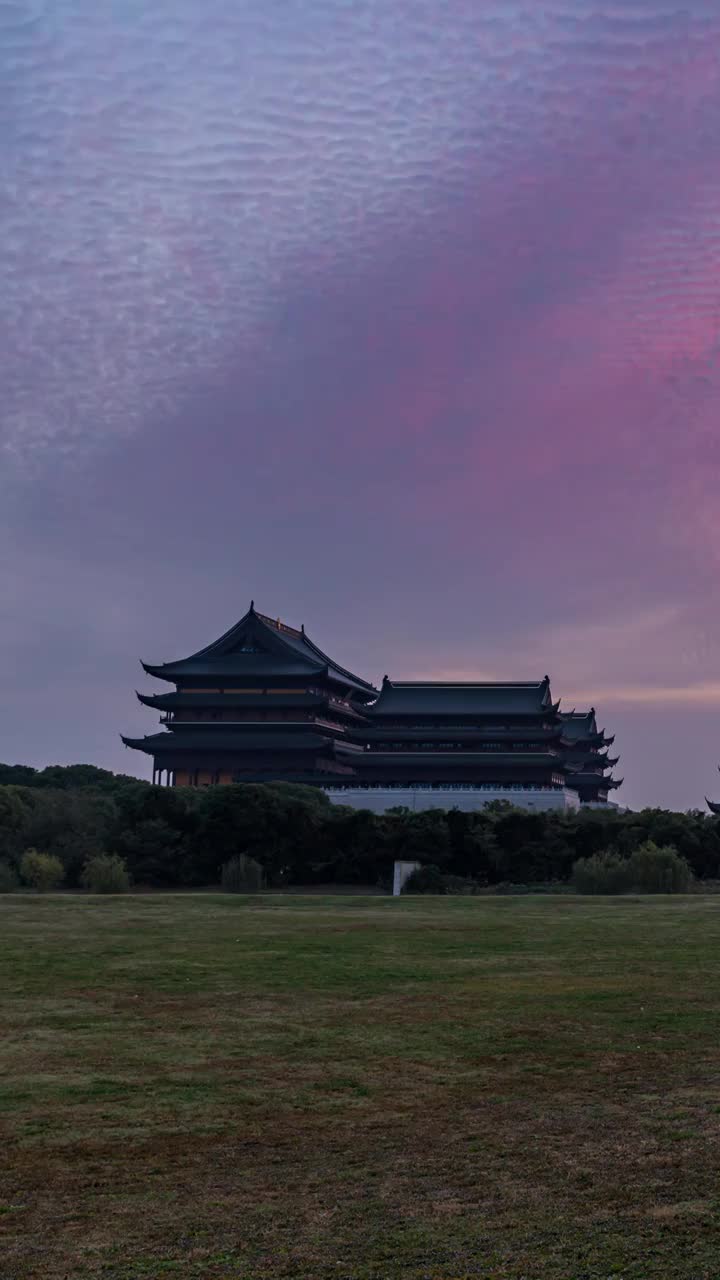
{"points": [[172, 743], [229, 667], [158, 673], [595, 780], [148, 745], [713, 806], [274, 701], [158, 701], [588, 762]]}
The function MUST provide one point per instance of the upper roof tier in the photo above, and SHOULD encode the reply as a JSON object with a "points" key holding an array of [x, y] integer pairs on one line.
{"points": [[441, 698], [580, 727], [258, 646]]}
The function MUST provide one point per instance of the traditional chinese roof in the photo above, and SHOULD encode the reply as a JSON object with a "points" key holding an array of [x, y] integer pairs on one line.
{"points": [[182, 700], [380, 732], [257, 646], [585, 779], [581, 726], [442, 698], [591, 759], [547, 759], [210, 738]]}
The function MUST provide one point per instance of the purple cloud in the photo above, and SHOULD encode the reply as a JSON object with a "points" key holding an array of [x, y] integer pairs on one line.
{"points": [[399, 318]]}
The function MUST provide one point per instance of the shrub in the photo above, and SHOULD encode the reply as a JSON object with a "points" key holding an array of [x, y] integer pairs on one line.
{"points": [[8, 878], [648, 869], [41, 871], [464, 885], [105, 873], [242, 874], [653, 869], [428, 879], [601, 873]]}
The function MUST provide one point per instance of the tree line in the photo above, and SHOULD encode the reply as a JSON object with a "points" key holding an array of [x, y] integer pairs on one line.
{"points": [[182, 837]]}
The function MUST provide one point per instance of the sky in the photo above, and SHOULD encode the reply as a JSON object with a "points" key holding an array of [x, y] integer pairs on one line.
{"points": [[400, 318]]}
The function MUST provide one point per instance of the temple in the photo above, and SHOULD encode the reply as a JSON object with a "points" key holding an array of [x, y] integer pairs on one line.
{"points": [[263, 703]]}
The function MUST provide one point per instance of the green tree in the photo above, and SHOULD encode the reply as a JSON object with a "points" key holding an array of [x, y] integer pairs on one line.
{"points": [[8, 878], [350, 848], [531, 847], [16, 807], [71, 824], [422, 836], [242, 875], [155, 852], [18, 775], [279, 827]]}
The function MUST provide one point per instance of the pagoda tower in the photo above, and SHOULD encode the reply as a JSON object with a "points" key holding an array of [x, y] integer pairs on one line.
{"points": [[586, 753], [260, 704]]}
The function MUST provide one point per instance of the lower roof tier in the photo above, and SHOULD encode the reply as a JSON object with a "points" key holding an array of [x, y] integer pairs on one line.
{"points": [[586, 781], [275, 699], [379, 733], [202, 740], [426, 759]]}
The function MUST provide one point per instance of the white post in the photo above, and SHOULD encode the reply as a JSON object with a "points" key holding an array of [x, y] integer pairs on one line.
{"points": [[401, 871]]}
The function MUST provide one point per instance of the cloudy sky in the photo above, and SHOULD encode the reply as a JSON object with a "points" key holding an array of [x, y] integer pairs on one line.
{"points": [[401, 318]]}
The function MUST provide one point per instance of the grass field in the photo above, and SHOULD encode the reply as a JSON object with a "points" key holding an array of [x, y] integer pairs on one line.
{"points": [[237, 1089]]}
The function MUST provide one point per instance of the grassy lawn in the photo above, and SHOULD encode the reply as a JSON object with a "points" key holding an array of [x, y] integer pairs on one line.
{"points": [[221, 1088]]}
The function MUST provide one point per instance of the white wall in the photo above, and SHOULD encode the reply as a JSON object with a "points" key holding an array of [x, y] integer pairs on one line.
{"points": [[379, 799]]}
